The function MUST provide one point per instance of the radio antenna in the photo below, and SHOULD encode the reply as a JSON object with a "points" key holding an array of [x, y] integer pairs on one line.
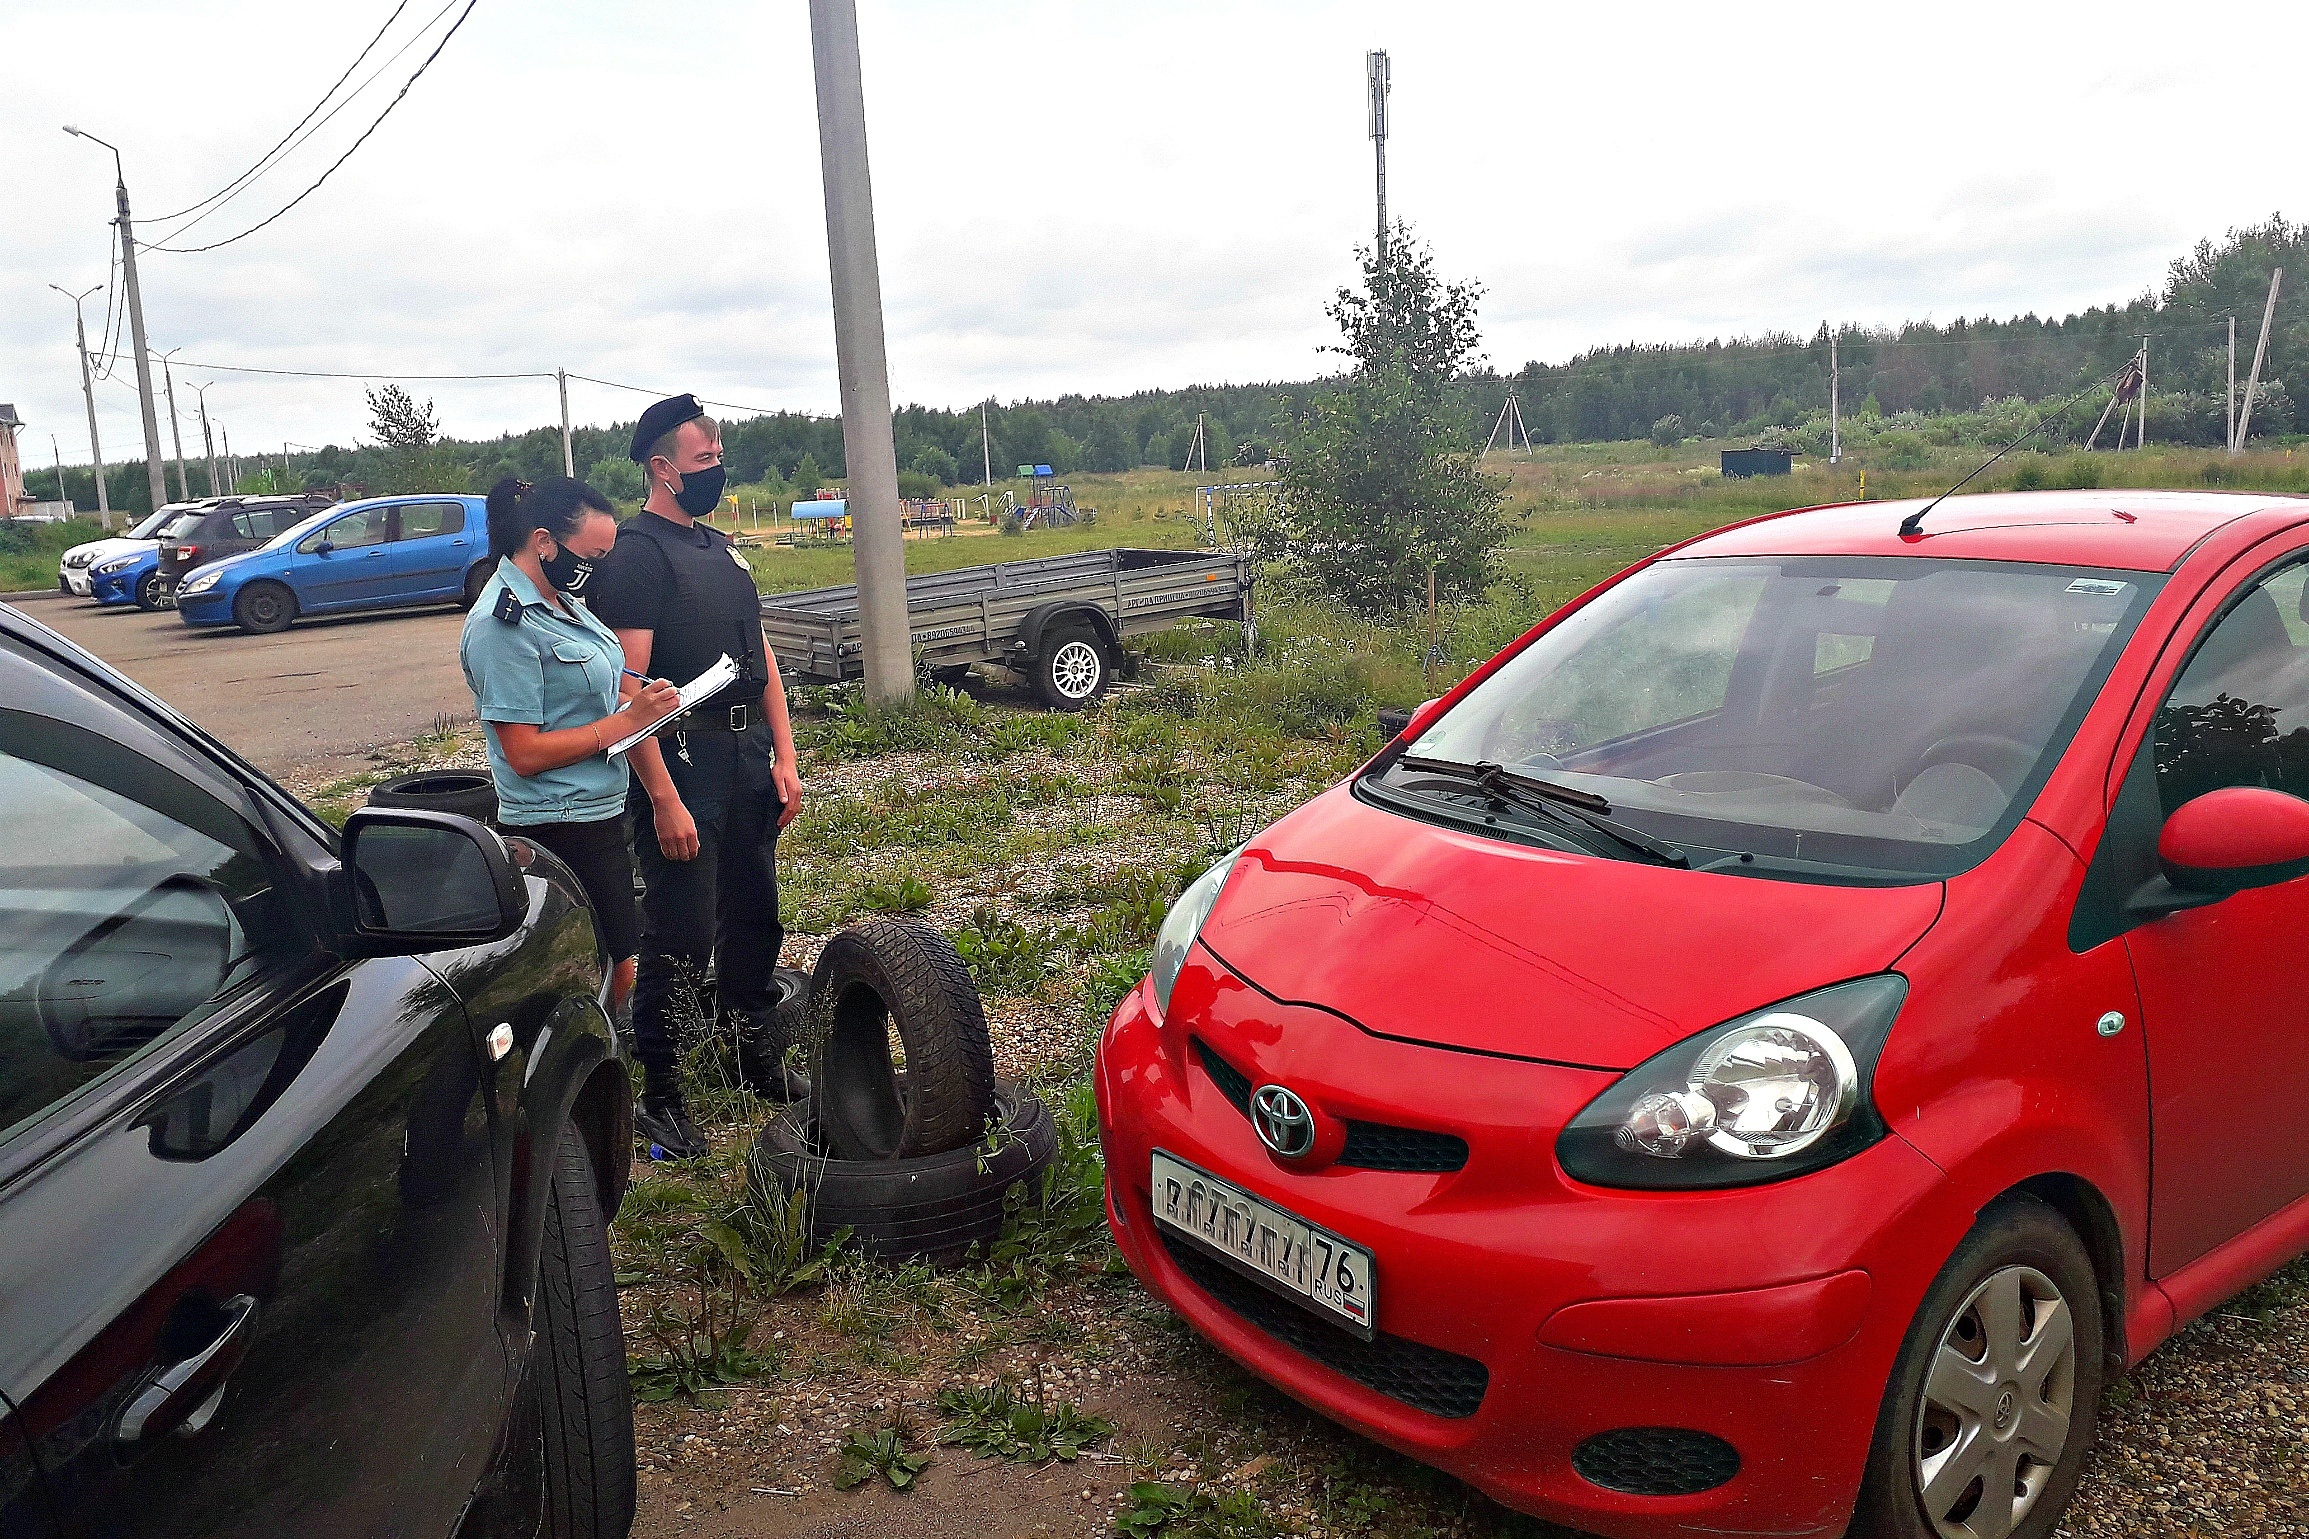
{"points": [[1913, 524]]}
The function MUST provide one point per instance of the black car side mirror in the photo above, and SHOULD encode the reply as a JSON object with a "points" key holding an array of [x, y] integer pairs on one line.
{"points": [[428, 881], [324, 547]]}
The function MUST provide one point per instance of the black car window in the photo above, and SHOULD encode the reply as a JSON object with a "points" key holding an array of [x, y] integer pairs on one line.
{"points": [[243, 527], [373, 526], [2239, 713], [426, 519], [132, 901], [267, 522]]}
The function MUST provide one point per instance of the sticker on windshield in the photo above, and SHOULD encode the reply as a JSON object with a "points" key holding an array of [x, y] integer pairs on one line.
{"points": [[2104, 586]]}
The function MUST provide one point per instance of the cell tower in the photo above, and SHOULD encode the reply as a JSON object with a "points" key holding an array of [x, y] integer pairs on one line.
{"points": [[1378, 76]]}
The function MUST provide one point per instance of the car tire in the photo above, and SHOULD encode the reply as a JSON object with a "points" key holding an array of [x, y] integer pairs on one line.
{"points": [[898, 972], [1073, 670], [468, 793], [762, 1043], [584, 1401], [475, 580], [148, 593], [264, 608], [2020, 1269], [933, 1208]]}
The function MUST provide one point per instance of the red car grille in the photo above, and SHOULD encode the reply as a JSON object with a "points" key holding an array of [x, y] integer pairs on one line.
{"points": [[1370, 1145], [1423, 1377]]}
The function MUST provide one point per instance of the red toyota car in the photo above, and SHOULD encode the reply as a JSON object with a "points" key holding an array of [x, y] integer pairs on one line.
{"points": [[1762, 1052]]}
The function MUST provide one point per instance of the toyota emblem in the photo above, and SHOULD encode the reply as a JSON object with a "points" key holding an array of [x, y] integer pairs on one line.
{"points": [[1284, 1123]]}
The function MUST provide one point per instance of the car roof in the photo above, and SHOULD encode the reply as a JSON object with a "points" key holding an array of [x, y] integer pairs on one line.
{"points": [[2141, 531]]}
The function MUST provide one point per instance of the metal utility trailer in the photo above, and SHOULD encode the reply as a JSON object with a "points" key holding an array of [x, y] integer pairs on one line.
{"points": [[1061, 620]]}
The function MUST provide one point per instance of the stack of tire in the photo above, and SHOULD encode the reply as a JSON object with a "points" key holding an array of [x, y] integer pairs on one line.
{"points": [[914, 1162]]}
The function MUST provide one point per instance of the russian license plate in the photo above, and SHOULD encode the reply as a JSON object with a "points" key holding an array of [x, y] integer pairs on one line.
{"points": [[1306, 1264]]}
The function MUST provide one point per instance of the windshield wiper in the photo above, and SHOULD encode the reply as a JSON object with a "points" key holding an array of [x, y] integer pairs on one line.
{"points": [[1561, 803]]}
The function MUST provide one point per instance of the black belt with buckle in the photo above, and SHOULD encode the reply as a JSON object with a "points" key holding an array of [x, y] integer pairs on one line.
{"points": [[713, 718]]}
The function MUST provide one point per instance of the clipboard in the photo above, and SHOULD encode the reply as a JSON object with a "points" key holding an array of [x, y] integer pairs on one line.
{"points": [[707, 684]]}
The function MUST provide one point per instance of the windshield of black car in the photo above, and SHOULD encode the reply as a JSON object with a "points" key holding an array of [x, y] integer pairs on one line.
{"points": [[1853, 718]]}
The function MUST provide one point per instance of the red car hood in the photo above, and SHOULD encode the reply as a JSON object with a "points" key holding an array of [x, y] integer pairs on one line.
{"points": [[1425, 934]]}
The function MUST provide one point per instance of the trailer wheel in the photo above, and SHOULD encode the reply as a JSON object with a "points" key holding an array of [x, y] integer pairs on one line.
{"points": [[1073, 670]]}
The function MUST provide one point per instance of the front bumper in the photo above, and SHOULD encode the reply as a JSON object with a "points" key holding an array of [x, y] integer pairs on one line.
{"points": [[213, 607], [75, 581], [1555, 1314], [118, 588]]}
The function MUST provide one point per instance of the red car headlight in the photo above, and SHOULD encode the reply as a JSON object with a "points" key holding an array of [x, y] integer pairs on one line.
{"points": [[1778, 1092]]}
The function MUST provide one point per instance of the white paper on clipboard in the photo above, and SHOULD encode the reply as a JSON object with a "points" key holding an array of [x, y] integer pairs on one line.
{"points": [[722, 674]]}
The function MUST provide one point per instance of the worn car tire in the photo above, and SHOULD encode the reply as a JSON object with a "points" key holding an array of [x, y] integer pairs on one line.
{"points": [[897, 972], [148, 592], [2021, 1233], [762, 1044], [474, 580], [935, 1207], [584, 1400], [468, 793], [263, 608], [1073, 670]]}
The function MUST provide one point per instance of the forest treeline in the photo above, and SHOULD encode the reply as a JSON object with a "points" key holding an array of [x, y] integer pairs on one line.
{"points": [[1773, 386]]}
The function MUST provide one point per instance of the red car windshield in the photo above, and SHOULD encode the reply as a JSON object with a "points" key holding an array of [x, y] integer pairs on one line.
{"points": [[1828, 718]]}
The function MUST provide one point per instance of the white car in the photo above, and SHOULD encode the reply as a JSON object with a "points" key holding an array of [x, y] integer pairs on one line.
{"points": [[72, 573]]}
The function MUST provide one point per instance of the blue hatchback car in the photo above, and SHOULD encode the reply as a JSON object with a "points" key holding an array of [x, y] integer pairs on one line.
{"points": [[379, 553]]}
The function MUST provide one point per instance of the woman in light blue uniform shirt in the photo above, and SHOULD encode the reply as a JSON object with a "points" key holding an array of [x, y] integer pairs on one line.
{"points": [[550, 686]]}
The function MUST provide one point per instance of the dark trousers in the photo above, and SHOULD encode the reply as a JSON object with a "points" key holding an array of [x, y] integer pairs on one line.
{"points": [[721, 905]]}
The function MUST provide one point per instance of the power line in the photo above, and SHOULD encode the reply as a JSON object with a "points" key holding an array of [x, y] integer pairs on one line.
{"points": [[242, 368], [761, 411], [341, 159], [301, 122]]}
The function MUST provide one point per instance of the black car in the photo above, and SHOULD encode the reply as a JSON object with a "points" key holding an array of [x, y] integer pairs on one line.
{"points": [[308, 1147], [229, 526]]}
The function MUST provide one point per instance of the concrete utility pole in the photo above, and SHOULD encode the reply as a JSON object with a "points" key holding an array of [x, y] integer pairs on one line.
{"points": [[57, 455], [2260, 351], [2231, 440], [207, 439], [1835, 420], [2141, 413], [568, 446], [868, 445], [232, 472], [88, 391], [168, 377], [986, 445], [152, 456], [1379, 76]]}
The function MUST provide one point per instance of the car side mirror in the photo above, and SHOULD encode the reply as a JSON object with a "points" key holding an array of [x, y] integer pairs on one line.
{"points": [[1397, 722], [428, 881], [324, 547], [2224, 842]]}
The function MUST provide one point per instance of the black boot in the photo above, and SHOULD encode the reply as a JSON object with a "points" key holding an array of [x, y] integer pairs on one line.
{"points": [[762, 1053], [663, 1121]]}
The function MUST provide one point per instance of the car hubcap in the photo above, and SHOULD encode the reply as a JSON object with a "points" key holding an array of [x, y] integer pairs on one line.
{"points": [[265, 608], [1997, 1405], [1075, 669]]}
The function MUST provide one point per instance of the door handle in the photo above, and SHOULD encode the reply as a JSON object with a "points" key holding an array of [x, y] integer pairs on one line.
{"points": [[374, 555], [182, 1397]]}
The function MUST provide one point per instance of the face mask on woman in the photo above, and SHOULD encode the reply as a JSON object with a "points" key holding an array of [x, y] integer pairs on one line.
{"points": [[565, 569]]}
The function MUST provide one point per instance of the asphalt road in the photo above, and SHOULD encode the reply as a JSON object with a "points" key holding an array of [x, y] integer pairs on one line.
{"points": [[319, 691]]}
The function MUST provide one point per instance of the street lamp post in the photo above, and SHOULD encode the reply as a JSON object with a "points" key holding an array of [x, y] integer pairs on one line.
{"points": [[152, 455], [88, 391]]}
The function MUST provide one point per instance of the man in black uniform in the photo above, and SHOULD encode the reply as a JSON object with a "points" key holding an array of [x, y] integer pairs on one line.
{"points": [[712, 791]]}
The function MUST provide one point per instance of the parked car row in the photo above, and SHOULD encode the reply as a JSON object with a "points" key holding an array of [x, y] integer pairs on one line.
{"points": [[262, 562]]}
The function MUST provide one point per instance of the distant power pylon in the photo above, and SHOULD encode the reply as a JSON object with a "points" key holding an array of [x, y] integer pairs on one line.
{"points": [[1510, 418]]}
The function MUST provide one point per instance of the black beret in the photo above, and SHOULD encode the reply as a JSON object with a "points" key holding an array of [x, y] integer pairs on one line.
{"points": [[659, 420]]}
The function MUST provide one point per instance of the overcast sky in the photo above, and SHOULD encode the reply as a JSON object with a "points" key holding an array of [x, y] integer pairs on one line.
{"points": [[1079, 197]]}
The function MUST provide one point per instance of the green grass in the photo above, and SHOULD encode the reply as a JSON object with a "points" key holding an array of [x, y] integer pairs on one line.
{"points": [[29, 552]]}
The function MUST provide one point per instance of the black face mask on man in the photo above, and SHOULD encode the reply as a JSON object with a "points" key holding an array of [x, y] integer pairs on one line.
{"points": [[701, 490], [565, 569]]}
